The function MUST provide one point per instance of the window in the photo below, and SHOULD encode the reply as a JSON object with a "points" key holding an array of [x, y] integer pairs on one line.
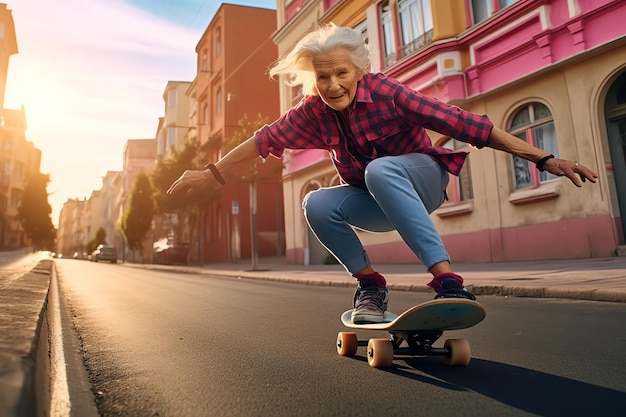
{"points": [[205, 114], [482, 9], [362, 27], [388, 43], [218, 101], [171, 98], [460, 188], [218, 41], [16, 198], [416, 24], [171, 136], [205, 60], [19, 171], [533, 124]]}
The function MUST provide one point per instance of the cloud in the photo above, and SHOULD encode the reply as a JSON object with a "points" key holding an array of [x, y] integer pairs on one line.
{"points": [[91, 75]]}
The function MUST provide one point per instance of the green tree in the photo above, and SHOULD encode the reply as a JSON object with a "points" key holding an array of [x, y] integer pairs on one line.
{"points": [[245, 130], [137, 219], [99, 239], [177, 210], [34, 213]]}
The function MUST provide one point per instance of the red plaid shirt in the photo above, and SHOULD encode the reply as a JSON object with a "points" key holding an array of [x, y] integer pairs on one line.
{"points": [[386, 118]]}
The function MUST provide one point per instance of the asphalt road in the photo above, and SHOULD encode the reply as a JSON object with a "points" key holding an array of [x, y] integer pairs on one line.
{"points": [[166, 344]]}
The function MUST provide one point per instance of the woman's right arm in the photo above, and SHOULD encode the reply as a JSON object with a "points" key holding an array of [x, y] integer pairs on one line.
{"points": [[193, 180]]}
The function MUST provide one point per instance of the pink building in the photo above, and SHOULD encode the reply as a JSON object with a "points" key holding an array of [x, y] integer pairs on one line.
{"points": [[552, 72]]}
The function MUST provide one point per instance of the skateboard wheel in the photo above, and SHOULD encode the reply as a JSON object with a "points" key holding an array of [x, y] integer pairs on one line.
{"points": [[459, 353], [380, 353], [347, 343]]}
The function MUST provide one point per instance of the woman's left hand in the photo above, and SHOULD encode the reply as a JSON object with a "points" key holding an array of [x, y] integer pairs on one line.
{"points": [[570, 169]]}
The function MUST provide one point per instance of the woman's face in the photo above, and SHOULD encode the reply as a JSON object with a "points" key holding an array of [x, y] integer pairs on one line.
{"points": [[336, 78]]}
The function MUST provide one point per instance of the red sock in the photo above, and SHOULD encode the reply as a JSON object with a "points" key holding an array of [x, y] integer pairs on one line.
{"points": [[378, 279], [435, 284]]}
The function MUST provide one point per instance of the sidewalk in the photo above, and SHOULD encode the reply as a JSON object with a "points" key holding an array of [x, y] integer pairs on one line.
{"points": [[24, 284], [597, 279]]}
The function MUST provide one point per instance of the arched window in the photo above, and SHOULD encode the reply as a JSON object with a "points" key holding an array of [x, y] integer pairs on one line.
{"points": [[205, 114], [459, 188], [218, 41], [218, 101], [533, 123], [205, 60]]}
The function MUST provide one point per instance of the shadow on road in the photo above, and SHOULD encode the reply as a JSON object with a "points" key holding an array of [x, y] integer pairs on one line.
{"points": [[525, 389]]}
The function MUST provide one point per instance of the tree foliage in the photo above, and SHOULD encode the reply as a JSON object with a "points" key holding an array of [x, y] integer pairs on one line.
{"points": [[246, 129], [34, 213], [99, 239], [182, 207], [137, 218], [167, 170]]}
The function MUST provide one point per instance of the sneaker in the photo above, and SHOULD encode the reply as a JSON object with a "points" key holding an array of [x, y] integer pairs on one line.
{"points": [[450, 285], [370, 302]]}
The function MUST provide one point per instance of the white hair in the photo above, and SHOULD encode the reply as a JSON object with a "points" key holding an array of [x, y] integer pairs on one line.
{"points": [[297, 65]]}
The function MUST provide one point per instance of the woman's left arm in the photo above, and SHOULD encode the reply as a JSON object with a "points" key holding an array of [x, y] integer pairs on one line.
{"points": [[504, 141]]}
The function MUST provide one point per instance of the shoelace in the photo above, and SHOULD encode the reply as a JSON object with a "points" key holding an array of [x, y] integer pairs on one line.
{"points": [[369, 297]]}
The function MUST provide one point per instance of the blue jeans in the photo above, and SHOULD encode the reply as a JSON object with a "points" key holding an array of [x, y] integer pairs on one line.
{"points": [[401, 193]]}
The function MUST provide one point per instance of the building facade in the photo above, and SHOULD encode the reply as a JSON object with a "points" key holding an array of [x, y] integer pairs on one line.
{"points": [[232, 91], [140, 155], [551, 72], [19, 158], [174, 125]]}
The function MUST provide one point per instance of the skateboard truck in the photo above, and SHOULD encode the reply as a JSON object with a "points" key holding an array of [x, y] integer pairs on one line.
{"points": [[418, 343]]}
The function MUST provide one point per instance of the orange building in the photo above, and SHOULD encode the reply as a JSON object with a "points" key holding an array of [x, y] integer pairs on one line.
{"points": [[232, 83]]}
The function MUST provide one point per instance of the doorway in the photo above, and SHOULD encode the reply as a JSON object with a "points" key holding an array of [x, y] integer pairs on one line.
{"points": [[615, 113]]}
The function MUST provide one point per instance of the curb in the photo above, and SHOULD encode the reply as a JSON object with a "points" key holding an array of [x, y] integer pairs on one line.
{"points": [[478, 290], [24, 358]]}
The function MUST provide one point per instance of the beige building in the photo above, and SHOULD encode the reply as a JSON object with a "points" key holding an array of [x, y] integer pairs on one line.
{"points": [[174, 125], [73, 229]]}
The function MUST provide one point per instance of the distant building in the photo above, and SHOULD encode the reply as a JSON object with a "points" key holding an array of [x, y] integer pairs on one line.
{"points": [[139, 155], [174, 126], [19, 159], [72, 234]]}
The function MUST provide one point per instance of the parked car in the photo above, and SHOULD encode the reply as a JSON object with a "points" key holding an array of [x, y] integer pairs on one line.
{"points": [[169, 251], [104, 253]]}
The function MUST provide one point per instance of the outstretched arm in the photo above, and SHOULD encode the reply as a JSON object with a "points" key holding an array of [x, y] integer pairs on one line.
{"points": [[504, 141], [192, 181]]}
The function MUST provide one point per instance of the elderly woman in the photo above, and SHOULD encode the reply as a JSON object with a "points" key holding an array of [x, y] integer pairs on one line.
{"points": [[374, 129]]}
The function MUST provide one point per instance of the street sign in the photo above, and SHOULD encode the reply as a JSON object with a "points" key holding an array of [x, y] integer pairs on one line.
{"points": [[235, 207]]}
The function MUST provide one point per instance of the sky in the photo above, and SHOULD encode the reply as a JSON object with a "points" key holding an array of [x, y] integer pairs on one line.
{"points": [[91, 75]]}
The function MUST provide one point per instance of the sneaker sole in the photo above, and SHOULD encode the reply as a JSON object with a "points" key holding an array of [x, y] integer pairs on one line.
{"points": [[367, 318]]}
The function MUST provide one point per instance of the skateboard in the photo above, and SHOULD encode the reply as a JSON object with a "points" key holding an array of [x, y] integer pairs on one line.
{"points": [[414, 332]]}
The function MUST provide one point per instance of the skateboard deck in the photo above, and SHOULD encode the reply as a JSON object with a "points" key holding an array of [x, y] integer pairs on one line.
{"points": [[413, 332]]}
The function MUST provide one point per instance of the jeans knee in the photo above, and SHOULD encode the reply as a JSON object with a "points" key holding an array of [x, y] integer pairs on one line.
{"points": [[378, 172], [315, 206]]}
